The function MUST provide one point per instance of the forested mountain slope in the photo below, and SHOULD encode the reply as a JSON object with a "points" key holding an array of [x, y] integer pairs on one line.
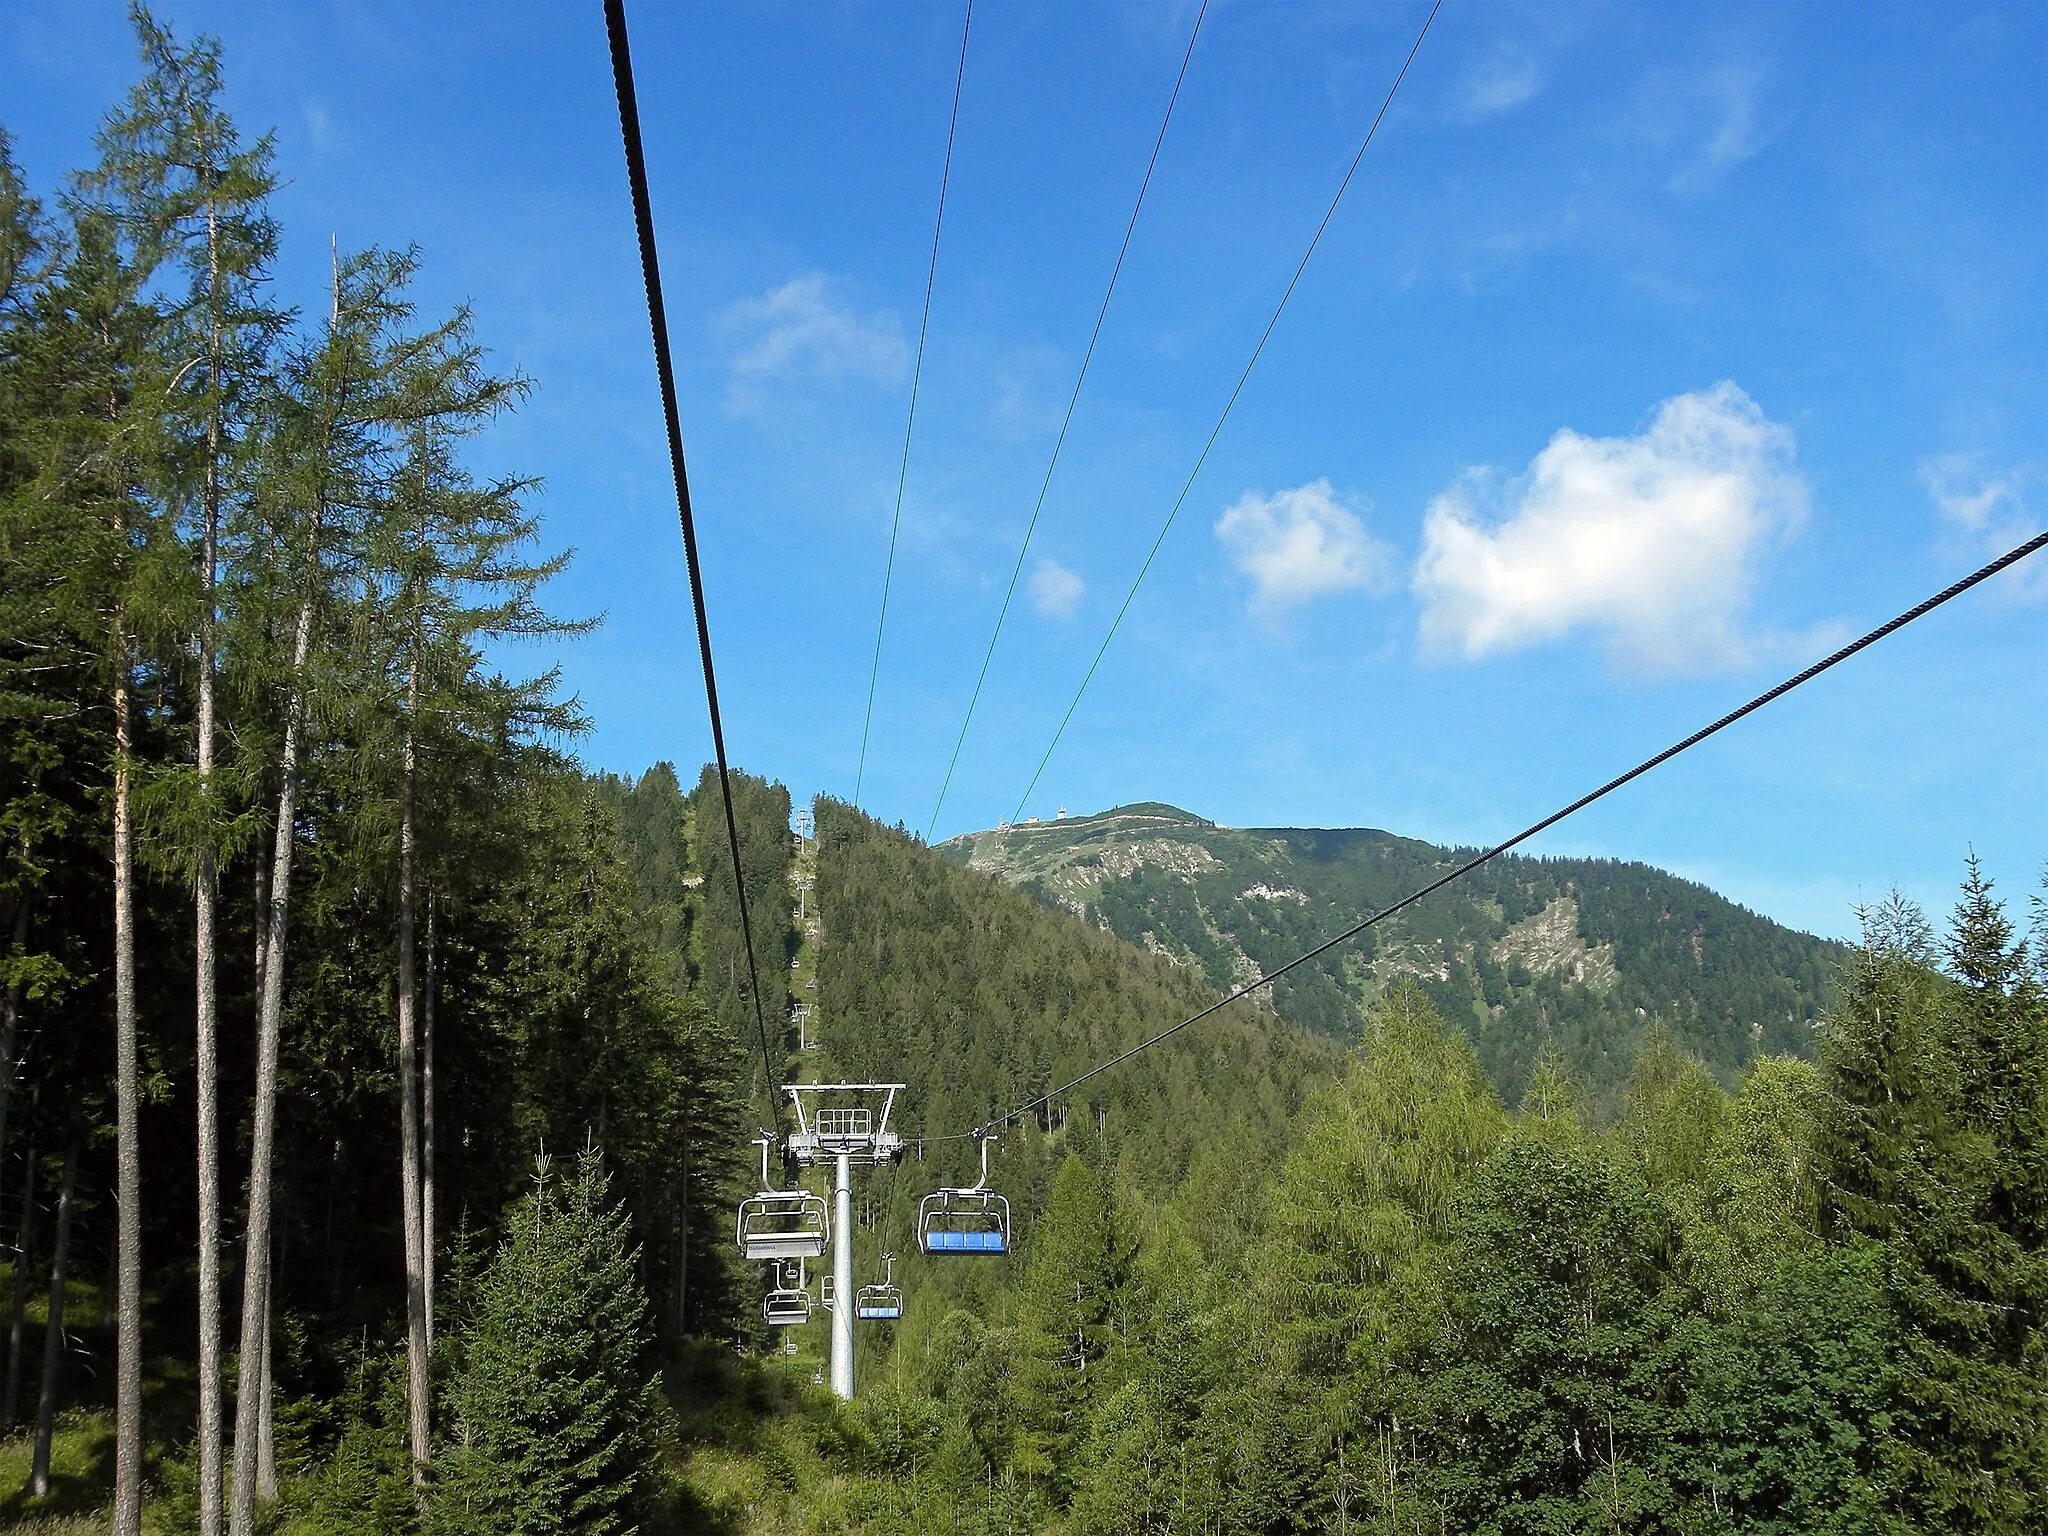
{"points": [[1266, 1286], [1577, 956], [981, 999], [376, 1083]]}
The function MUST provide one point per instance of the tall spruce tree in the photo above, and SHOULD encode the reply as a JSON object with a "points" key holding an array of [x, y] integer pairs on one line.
{"points": [[1933, 1153], [1070, 1320]]}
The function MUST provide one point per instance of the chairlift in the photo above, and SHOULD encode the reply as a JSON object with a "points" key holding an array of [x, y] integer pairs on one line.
{"points": [[782, 1223], [827, 1292], [880, 1303], [971, 1220], [787, 1303]]}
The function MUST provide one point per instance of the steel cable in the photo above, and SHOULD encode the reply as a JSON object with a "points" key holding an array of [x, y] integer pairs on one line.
{"points": [[1228, 406], [916, 374], [1982, 574], [1066, 421], [657, 317]]}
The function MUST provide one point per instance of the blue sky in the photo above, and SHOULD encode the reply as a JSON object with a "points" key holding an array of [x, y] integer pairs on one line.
{"points": [[1652, 349]]}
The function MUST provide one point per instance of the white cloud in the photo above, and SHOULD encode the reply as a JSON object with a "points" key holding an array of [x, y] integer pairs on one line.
{"points": [[1300, 544], [1056, 591], [319, 125], [1985, 514], [1651, 540], [1727, 101], [1502, 81], [799, 330]]}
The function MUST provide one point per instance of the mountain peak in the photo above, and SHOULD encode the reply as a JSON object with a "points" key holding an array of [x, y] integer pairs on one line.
{"points": [[1576, 955], [1139, 816]]}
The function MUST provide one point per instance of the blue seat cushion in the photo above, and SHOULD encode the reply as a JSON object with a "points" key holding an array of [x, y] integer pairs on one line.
{"points": [[964, 1242]]}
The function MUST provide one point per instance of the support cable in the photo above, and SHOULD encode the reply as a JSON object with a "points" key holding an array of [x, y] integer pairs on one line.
{"points": [[1985, 573], [1066, 421], [657, 316], [1228, 406], [916, 374]]}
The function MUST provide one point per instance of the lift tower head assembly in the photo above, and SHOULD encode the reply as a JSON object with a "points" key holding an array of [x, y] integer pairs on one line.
{"points": [[841, 1124]]}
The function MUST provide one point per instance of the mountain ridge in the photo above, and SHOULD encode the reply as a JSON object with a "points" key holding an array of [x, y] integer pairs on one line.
{"points": [[1573, 957]]}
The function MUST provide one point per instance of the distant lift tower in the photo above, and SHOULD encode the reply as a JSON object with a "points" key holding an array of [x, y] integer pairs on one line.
{"points": [[841, 1124]]}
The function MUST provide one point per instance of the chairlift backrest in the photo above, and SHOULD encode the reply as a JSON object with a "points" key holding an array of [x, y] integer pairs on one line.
{"points": [[782, 1223], [971, 1220], [787, 1302], [880, 1303]]}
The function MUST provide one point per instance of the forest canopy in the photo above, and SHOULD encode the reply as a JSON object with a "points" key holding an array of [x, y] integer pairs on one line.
{"points": [[377, 1081]]}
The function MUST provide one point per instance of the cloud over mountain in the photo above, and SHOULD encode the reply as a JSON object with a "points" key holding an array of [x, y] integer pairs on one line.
{"points": [[1302, 544], [1651, 541]]}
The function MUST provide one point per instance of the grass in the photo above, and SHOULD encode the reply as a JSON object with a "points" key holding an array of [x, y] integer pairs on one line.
{"points": [[751, 1447], [82, 1443], [81, 1474]]}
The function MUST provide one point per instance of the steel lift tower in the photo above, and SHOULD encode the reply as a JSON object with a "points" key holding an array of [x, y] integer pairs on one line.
{"points": [[840, 1124]]}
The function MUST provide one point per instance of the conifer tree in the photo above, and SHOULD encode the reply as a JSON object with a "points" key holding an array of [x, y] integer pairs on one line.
{"points": [[1932, 1152], [29, 817], [191, 194], [445, 554], [1069, 1319], [101, 410], [552, 1400], [326, 446]]}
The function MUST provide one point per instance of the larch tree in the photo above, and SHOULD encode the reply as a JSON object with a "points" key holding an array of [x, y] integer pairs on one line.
{"points": [[325, 446], [101, 418], [29, 816], [193, 196], [447, 557]]}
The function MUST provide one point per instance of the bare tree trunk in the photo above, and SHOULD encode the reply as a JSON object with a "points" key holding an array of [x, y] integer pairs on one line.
{"points": [[263, 1132], [53, 1332], [683, 1237], [128, 1151], [408, 1101], [23, 1248], [427, 1127], [205, 904], [262, 926], [10, 1015], [266, 1422]]}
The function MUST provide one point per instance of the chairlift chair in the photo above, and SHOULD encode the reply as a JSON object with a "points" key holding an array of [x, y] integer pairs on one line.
{"points": [[782, 1223], [787, 1303], [880, 1303], [971, 1220], [827, 1293]]}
